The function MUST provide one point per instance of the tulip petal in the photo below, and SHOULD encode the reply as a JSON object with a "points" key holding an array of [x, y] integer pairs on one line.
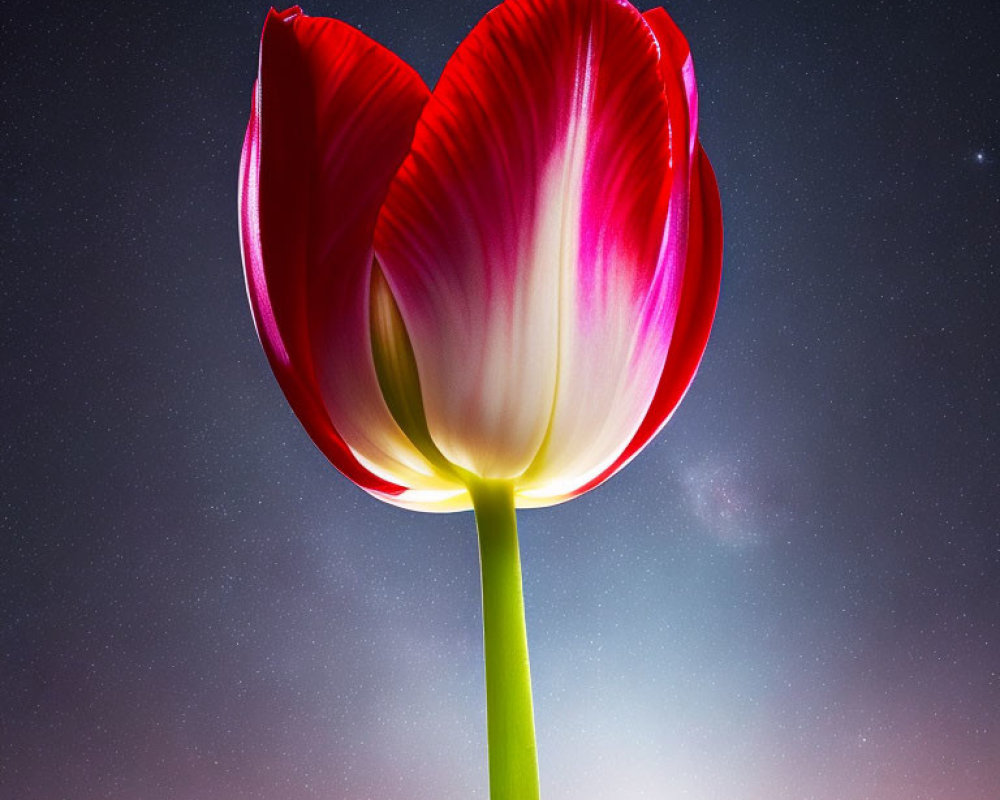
{"points": [[629, 343], [692, 258], [522, 239], [333, 118], [703, 271], [702, 280], [585, 438]]}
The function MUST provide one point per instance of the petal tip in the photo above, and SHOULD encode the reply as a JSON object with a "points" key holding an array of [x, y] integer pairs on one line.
{"points": [[287, 15]]}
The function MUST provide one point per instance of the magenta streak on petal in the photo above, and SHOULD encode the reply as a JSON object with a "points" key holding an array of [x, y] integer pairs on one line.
{"points": [[694, 321], [674, 246], [675, 61], [264, 320], [691, 88], [585, 271], [664, 297]]}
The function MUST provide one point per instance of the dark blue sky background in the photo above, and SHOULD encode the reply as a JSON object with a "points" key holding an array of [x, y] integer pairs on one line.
{"points": [[792, 594]]}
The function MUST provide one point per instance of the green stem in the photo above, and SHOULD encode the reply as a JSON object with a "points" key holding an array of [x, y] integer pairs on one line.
{"points": [[509, 718]]}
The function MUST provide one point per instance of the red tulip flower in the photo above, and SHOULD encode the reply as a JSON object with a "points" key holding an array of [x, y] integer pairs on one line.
{"points": [[490, 295]]}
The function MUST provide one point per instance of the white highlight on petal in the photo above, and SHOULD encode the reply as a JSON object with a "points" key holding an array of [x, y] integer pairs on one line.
{"points": [[419, 475], [487, 394], [613, 334]]}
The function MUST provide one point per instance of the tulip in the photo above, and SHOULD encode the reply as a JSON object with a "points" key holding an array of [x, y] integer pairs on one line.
{"points": [[491, 295]]}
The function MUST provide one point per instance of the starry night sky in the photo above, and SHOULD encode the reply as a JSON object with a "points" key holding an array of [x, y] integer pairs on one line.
{"points": [[792, 594]]}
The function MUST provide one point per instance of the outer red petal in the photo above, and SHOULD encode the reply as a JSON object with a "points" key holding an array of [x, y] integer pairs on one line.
{"points": [[333, 116], [703, 269], [700, 295]]}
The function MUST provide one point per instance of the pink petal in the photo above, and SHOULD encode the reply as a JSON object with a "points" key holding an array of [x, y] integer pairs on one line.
{"points": [[702, 278], [332, 119], [691, 256], [523, 239]]}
